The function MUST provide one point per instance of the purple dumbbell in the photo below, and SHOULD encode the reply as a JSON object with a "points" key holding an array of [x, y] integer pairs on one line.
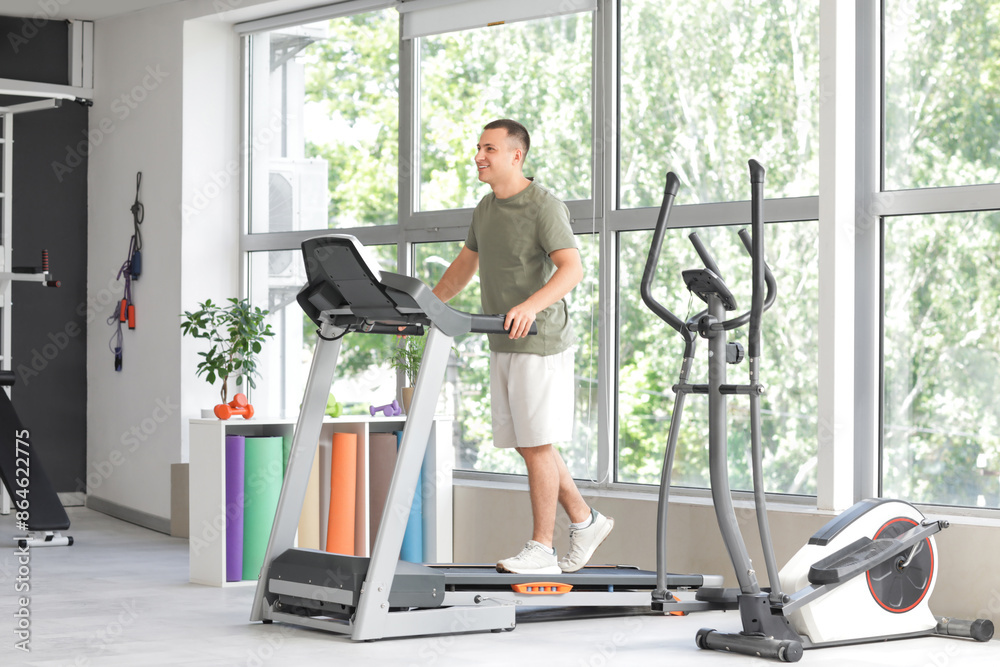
{"points": [[389, 410]]}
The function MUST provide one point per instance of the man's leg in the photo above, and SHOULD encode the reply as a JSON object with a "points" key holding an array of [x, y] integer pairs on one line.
{"points": [[538, 556], [569, 495], [550, 484], [543, 487], [528, 391], [588, 527]]}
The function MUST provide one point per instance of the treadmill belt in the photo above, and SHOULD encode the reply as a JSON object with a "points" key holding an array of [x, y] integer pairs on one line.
{"points": [[601, 577]]}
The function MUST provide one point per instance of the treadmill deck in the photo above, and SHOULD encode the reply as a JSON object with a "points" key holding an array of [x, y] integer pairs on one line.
{"points": [[596, 577]]}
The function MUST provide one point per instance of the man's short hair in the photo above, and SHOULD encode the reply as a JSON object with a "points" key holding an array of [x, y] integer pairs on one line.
{"points": [[515, 131]]}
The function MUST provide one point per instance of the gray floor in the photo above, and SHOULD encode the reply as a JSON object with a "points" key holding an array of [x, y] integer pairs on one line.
{"points": [[120, 597]]}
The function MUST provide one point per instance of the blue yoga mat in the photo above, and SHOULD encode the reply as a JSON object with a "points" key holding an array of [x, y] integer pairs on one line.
{"points": [[413, 538]]}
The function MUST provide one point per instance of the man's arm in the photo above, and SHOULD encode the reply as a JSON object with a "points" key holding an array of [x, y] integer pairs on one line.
{"points": [[457, 275], [569, 272]]}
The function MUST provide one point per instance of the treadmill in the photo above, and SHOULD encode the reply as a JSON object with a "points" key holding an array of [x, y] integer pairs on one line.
{"points": [[380, 596]]}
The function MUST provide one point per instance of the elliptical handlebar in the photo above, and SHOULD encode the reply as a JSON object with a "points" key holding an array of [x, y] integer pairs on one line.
{"points": [[706, 255], [760, 267], [646, 286], [772, 289], [762, 281]]}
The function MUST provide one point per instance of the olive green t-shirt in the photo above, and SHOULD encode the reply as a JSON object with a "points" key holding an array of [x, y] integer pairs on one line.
{"points": [[514, 238]]}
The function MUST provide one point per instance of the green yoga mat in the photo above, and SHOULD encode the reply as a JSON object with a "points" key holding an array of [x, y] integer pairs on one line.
{"points": [[262, 487], [286, 451]]}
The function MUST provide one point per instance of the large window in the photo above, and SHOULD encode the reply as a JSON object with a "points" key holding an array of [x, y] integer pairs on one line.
{"points": [[940, 347], [324, 124], [332, 88], [537, 72], [706, 85], [650, 354], [942, 359], [942, 93], [368, 126]]}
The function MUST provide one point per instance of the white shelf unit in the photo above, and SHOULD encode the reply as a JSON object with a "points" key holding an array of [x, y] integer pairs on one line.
{"points": [[207, 498]]}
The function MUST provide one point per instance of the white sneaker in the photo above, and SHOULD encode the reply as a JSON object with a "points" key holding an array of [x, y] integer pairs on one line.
{"points": [[533, 559], [583, 542]]}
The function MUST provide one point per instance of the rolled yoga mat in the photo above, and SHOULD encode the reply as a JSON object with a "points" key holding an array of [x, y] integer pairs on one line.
{"points": [[235, 465], [343, 485], [262, 487], [309, 518], [413, 538], [382, 461], [325, 463], [286, 451], [361, 503]]}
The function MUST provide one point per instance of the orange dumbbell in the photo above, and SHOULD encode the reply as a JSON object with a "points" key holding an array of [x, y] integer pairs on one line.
{"points": [[237, 406]]}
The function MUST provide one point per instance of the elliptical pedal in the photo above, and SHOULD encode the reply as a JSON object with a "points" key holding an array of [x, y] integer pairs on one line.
{"points": [[858, 556], [864, 554]]}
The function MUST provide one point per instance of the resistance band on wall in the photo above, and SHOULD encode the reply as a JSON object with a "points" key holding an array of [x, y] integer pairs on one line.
{"points": [[130, 269]]}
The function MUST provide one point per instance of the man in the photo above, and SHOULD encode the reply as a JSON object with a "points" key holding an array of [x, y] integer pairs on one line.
{"points": [[522, 244]]}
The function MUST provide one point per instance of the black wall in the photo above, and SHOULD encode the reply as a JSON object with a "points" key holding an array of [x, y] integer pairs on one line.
{"points": [[34, 49], [49, 337]]}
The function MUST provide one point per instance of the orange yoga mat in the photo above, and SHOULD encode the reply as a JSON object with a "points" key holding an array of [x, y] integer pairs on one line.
{"points": [[343, 484]]}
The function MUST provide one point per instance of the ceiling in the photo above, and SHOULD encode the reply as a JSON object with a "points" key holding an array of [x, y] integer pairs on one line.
{"points": [[87, 10]]}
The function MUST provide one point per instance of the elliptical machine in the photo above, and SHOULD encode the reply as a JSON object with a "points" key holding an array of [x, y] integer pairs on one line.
{"points": [[867, 575]]}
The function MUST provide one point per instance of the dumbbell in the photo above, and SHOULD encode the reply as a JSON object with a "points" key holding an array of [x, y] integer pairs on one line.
{"points": [[237, 406], [389, 410]]}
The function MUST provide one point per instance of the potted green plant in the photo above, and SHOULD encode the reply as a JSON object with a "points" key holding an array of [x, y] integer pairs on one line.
{"points": [[406, 357], [236, 333]]}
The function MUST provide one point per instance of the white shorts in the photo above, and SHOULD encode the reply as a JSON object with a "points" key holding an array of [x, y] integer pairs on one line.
{"points": [[531, 398]]}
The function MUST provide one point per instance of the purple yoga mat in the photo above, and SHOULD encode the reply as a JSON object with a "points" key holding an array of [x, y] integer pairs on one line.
{"points": [[235, 458]]}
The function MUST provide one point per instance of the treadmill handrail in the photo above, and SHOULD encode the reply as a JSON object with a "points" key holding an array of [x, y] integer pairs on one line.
{"points": [[449, 320]]}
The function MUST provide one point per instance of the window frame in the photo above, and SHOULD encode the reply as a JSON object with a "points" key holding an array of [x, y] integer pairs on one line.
{"points": [[882, 204], [855, 70]]}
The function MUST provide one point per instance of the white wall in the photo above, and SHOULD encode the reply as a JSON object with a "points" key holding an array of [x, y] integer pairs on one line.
{"points": [[134, 416], [166, 103], [210, 213]]}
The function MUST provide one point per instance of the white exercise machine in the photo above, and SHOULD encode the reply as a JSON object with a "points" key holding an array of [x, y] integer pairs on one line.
{"points": [[865, 576], [383, 596]]}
